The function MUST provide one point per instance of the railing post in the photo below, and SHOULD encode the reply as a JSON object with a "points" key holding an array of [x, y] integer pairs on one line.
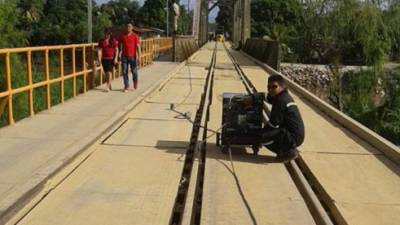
{"points": [[143, 51], [142, 46], [47, 73], [29, 72], [84, 68], [92, 66], [9, 88], [151, 50], [147, 52], [74, 70], [62, 74]]}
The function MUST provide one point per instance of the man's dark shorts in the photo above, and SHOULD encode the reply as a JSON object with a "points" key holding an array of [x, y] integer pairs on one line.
{"points": [[107, 64]]}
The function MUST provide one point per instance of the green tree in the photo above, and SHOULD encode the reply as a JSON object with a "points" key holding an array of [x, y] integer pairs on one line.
{"points": [[101, 21], [185, 21], [64, 23], [31, 11], [340, 32], [389, 117], [224, 18], [358, 90], [334, 31], [10, 36], [153, 13], [337, 32], [392, 19], [121, 11], [268, 15], [372, 34]]}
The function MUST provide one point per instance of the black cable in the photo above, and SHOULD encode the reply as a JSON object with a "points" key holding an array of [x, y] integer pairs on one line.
{"points": [[239, 187], [186, 115]]}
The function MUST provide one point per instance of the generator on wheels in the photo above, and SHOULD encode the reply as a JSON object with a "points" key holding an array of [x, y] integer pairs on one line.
{"points": [[242, 121]]}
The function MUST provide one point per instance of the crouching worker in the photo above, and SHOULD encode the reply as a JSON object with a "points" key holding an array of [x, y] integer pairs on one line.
{"points": [[285, 129]]}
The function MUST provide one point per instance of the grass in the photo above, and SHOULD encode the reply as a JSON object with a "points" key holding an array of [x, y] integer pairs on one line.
{"points": [[19, 78]]}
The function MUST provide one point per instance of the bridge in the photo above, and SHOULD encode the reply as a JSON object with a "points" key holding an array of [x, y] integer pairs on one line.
{"points": [[150, 156]]}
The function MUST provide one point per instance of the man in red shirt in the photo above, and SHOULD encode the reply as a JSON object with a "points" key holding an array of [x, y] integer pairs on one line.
{"points": [[130, 56], [107, 54]]}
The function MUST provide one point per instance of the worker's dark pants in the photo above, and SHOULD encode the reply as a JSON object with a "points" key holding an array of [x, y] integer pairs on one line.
{"points": [[278, 140]]}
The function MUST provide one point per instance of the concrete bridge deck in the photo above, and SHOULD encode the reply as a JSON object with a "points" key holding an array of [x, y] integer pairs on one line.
{"points": [[360, 182], [33, 149], [128, 169]]}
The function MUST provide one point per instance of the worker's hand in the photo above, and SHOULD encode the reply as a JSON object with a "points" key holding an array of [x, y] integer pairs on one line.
{"points": [[138, 61], [115, 62]]}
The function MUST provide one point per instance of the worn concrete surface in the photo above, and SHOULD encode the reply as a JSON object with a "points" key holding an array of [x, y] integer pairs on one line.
{"points": [[132, 176], [263, 192], [361, 182], [34, 148]]}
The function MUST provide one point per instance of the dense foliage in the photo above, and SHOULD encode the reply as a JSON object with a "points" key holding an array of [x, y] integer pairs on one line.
{"points": [[337, 33], [8, 21], [47, 22], [224, 18], [50, 22]]}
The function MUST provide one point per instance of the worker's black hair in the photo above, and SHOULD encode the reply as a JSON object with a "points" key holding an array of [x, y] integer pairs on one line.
{"points": [[276, 78]]}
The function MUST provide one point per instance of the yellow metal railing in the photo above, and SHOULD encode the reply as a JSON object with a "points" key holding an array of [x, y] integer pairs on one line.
{"points": [[161, 45], [82, 54]]}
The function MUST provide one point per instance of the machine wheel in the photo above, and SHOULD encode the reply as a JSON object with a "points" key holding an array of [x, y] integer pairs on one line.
{"points": [[256, 149]]}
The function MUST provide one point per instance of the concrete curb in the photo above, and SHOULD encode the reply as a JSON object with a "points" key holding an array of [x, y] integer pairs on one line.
{"points": [[374, 139], [39, 184]]}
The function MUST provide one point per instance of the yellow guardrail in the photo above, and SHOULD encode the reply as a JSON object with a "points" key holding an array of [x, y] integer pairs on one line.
{"points": [[162, 44], [82, 54]]}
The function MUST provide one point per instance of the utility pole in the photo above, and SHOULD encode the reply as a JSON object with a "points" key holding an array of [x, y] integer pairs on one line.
{"points": [[188, 15], [90, 22], [167, 18]]}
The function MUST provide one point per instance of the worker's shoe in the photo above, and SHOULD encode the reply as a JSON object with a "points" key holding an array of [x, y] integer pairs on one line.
{"points": [[287, 156]]}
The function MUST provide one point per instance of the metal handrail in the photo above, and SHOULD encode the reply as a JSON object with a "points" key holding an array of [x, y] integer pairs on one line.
{"points": [[87, 72]]}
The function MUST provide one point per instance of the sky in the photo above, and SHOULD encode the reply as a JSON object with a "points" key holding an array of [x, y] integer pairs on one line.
{"points": [[213, 13]]}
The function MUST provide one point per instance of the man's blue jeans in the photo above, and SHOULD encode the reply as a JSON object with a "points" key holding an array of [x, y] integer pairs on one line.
{"points": [[131, 62]]}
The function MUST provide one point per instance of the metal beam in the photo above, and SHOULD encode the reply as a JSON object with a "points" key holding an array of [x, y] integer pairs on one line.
{"points": [[203, 22], [241, 22], [213, 6]]}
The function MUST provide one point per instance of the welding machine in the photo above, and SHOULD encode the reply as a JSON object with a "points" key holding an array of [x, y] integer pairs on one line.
{"points": [[242, 118]]}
